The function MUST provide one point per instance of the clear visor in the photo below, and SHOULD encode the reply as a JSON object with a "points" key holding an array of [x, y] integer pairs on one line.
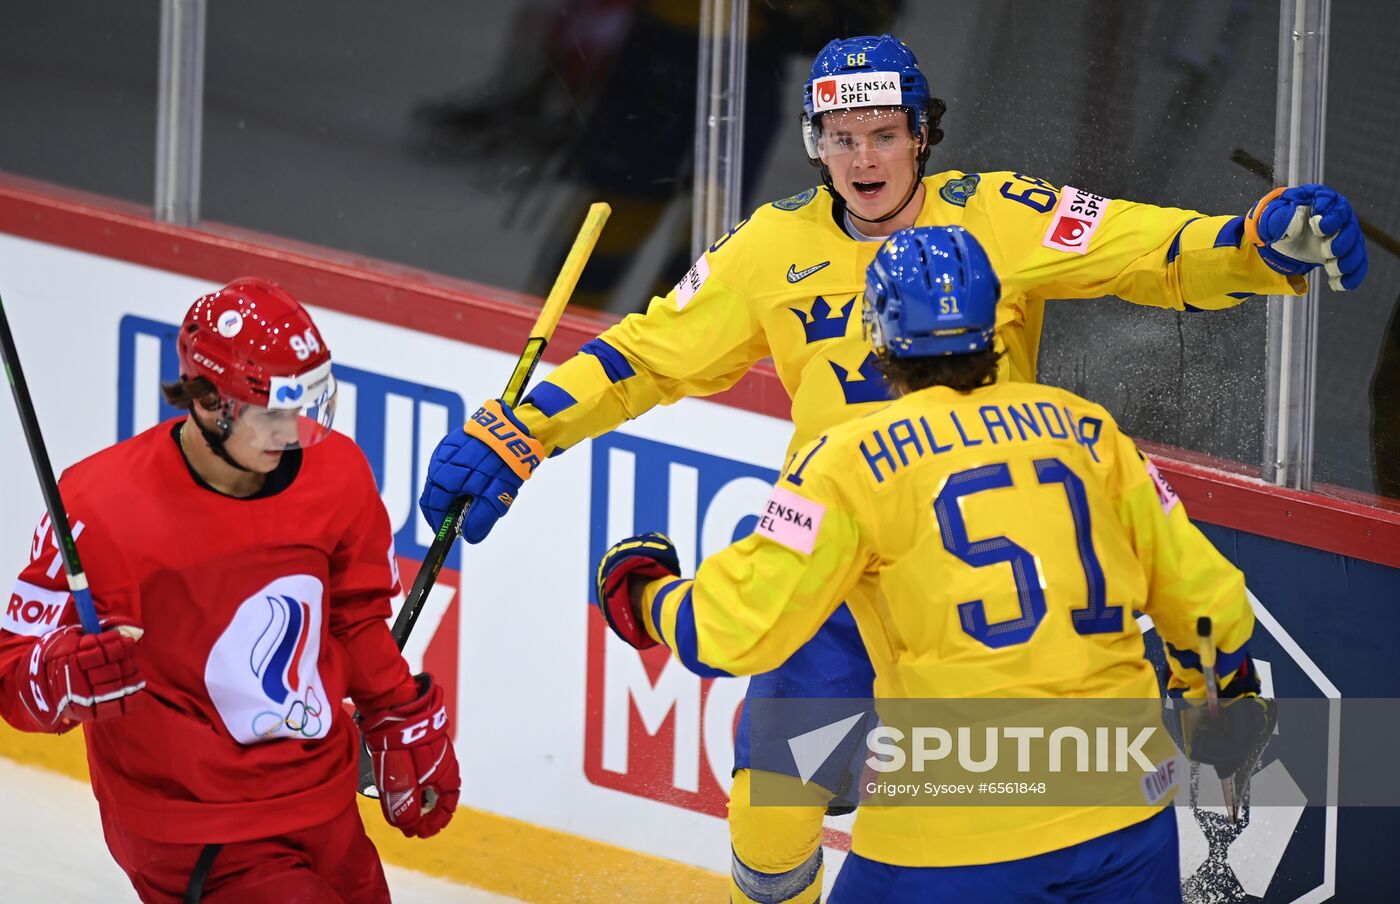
{"points": [[300, 413], [870, 323], [880, 132]]}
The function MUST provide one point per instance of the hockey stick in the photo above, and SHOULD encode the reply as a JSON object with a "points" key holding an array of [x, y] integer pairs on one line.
{"points": [[515, 388], [58, 515]]}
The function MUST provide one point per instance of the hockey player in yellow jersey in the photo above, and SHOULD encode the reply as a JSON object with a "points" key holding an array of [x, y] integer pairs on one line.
{"points": [[993, 540], [786, 282]]}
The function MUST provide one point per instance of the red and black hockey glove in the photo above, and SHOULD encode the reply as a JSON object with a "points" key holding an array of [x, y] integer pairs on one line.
{"points": [[648, 556], [415, 767], [70, 677]]}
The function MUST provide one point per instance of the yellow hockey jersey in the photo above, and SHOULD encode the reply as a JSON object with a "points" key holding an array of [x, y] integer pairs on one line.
{"points": [[989, 544], [787, 283]]}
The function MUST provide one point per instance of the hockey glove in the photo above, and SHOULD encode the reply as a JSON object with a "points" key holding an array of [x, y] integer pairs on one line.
{"points": [[415, 767], [1234, 739], [647, 556], [72, 677], [489, 460], [1296, 229]]}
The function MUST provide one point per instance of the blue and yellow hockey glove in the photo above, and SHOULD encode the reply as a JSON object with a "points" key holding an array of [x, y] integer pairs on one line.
{"points": [[648, 556], [489, 459], [1299, 228], [1234, 739]]}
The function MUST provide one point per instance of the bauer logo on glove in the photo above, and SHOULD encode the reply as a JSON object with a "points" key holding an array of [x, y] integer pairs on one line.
{"points": [[487, 461], [492, 425]]}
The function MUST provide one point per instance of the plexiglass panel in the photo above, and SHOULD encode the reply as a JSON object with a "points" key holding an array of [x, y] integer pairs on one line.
{"points": [[468, 139], [465, 138], [78, 93], [1357, 440]]}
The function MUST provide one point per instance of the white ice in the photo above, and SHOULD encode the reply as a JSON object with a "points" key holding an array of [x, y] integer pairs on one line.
{"points": [[51, 849]]}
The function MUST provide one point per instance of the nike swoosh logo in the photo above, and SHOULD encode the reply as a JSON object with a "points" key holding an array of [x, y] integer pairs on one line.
{"points": [[796, 275]]}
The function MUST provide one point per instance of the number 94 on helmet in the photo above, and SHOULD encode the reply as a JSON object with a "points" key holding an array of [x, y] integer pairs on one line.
{"points": [[259, 350]]}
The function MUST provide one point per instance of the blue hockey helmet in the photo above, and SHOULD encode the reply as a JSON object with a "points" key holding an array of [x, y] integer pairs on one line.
{"points": [[866, 71], [931, 291]]}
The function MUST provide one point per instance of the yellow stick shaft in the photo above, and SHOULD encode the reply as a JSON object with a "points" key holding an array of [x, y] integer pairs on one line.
{"points": [[573, 267], [558, 299]]}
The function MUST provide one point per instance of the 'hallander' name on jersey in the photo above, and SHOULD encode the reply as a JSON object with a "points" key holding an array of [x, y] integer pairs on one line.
{"points": [[888, 448], [1012, 517]]}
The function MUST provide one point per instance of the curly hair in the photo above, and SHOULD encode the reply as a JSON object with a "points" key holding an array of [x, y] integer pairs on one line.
{"points": [[936, 109], [963, 373]]}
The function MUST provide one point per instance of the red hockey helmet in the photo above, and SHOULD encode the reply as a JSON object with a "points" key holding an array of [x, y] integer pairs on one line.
{"points": [[260, 349]]}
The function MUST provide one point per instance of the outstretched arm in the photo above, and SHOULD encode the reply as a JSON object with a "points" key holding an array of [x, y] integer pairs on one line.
{"points": [[1071, 243]]}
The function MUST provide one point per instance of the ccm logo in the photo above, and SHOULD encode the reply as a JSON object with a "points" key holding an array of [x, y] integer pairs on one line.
{"points": [[419, 730], [36, 659]]}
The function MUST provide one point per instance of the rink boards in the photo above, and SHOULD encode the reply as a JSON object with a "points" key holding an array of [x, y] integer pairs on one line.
{"points": [[584, 762]]}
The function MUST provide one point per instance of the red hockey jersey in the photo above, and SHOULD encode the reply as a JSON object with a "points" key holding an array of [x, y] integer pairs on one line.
{"points": [[261, 615]]}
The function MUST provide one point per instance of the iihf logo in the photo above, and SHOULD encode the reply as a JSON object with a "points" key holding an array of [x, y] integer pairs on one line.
{"points": [[262, 674]]}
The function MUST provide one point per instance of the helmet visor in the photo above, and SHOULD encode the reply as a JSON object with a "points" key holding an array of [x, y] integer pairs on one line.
{"points": [[299, 413], [881, 132], [870, 317]]}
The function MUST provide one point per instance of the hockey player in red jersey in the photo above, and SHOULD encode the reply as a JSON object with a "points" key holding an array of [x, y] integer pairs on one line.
{"points": [[242, 565]]}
